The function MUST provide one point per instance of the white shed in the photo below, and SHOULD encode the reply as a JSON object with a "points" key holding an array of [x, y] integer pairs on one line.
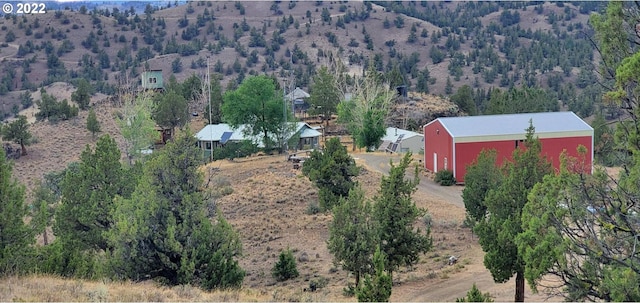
{"points": [[397, 140]]}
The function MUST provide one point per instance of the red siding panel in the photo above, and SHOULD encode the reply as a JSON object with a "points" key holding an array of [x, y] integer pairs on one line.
{"points": [[551, 148], [439, 142], [467, 152]]}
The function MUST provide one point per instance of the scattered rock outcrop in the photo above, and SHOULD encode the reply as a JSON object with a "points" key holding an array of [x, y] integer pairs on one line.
{"points": [[418, 109]]}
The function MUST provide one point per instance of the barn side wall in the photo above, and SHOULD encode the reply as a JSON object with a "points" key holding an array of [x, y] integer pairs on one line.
{"points": [[467, 152], [438, 141]]}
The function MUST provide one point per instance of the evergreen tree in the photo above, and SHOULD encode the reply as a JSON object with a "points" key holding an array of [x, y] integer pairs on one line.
{"points": [[475, 295], [16, 237], [162, 232], [396, 214], [332, 171], [464, 99], [82, 95], [352, 234], [482, 175], [18, 132], [286, 267], [93, 125], [378, 288], [43, 210], [324, 95], [84, 214], [171, 110], [498, 230], [448, 89]]}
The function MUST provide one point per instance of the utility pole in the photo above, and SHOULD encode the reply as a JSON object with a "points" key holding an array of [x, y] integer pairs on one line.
{"points": [[210, 115], [284, 116]]}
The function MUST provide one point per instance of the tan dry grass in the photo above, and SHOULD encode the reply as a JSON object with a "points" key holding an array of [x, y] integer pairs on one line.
{"points": [[55, 289], [57, 145]]}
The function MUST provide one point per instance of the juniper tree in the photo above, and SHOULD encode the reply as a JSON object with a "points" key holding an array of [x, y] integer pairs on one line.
{"points": [[18, 132], [498, 229], [353, 234], [376, 287], [85, 211], [16, 237], [162, 231], [332, 170], [482, 175], [396, 213], [93, 125]]}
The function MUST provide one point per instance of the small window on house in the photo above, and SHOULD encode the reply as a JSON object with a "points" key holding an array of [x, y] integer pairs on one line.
{"points": [[208, 145], [519, 142]]}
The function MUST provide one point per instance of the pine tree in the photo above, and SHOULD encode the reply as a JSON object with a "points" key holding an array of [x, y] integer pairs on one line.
{"points": [[15, 236], [93, 125]]}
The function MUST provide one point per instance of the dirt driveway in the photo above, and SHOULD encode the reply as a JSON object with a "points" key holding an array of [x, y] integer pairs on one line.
{"points": [[380, 162]]}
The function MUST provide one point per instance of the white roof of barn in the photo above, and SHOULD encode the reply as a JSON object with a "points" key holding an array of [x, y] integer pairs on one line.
{"points": [[514, 124], [394, 133]]}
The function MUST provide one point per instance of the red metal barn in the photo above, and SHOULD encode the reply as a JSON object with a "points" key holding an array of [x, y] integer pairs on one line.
{"points": [[453, 143]]}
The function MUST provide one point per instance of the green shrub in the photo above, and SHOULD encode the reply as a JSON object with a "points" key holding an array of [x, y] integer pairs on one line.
{"points": [[313, 208], [445, 178], [474, 295], [286, 267], [234, 150]]}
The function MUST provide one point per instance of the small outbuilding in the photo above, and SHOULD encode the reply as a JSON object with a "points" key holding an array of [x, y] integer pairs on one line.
{"points": [[397, 140], [454, 142], [298, 97], [152, 79]]}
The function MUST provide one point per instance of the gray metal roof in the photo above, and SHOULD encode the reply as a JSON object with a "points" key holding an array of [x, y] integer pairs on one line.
{"points": [[224, 132], [512, 124], [393, 133]]}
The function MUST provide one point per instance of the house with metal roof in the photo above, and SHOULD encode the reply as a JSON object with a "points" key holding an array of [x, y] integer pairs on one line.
{"points": [[397, 140], [452, 143], [215, 136]]}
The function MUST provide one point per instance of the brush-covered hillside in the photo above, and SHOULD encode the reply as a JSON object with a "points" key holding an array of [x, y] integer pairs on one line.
{"points": [[432, 47]]}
